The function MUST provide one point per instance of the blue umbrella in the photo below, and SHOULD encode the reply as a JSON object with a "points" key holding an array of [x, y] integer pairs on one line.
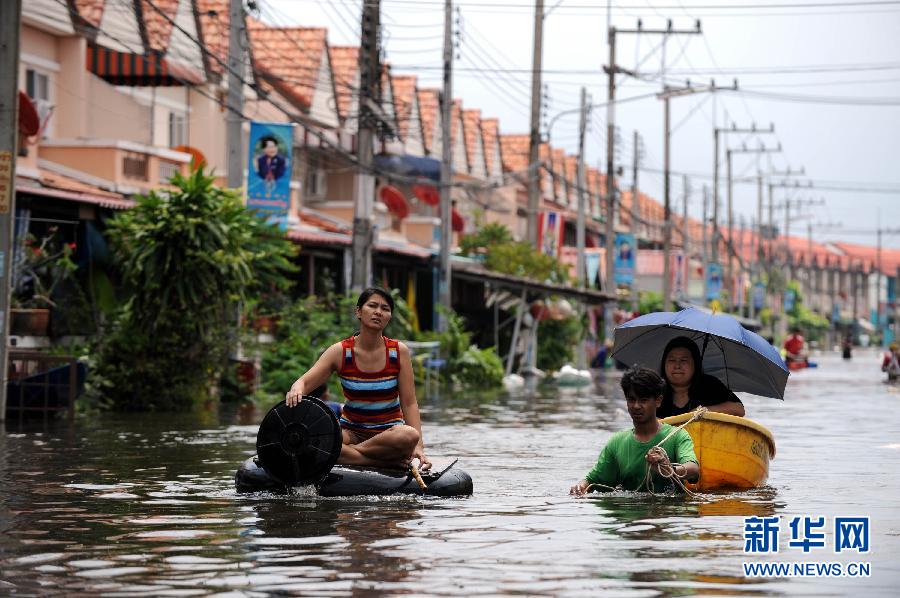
{"points": [[743, 360]]}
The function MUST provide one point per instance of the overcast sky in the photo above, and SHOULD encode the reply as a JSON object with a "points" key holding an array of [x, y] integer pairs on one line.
{"points": [[826, 73]]}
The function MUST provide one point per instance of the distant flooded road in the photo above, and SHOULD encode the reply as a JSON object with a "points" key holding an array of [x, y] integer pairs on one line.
{"points": [[145, 504]]}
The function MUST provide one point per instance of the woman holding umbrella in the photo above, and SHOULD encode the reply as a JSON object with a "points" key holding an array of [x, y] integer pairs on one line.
{"points": [[687, 387]]}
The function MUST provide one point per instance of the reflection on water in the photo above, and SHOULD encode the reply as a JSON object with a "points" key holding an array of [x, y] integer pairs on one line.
{"points": [[144, 505]]}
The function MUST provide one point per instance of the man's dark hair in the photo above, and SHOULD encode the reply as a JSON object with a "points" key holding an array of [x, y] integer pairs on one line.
{"points": [[642, 383], [365, 295], [265, 140]]}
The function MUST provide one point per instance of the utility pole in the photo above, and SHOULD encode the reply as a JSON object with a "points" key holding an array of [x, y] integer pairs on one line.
{"points": [[705, 242], [759, 221], [774, 173], [579, 232], [716, 132], [233, 119], [609, 231], [369, 78], [10, 26], [612, 70], [635, 211], [728, 153], [445, 275], [667, 94], [686, 239], [534, 138]]}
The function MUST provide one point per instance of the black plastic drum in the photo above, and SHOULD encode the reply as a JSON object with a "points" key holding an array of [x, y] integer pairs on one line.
{"points": [[301, 444]]}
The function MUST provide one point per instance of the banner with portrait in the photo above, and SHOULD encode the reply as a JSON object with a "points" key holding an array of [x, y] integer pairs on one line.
{"points": [[269, 171], [624, 258], [550, 233], [713, 281]]}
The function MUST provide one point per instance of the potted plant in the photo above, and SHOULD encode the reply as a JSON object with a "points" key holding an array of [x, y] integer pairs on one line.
{"points": [[40, 266]]}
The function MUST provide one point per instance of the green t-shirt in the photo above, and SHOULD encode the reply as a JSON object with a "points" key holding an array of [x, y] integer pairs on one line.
{"points": [[623, 461]]}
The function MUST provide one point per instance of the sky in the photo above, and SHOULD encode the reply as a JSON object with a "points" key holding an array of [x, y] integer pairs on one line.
{"points": [[825, 73]]}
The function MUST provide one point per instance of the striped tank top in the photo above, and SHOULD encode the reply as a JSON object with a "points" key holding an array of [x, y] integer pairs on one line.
{"points": [[371, 399]]}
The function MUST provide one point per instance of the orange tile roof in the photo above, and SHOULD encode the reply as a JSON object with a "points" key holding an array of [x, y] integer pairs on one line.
{"points": [[455, 109], [344, 65], [214, 20], [157, 26], [289, 58], [490, 132], [404, 95], [429, 107], [514, 149], [471, 128], [90, 10]]}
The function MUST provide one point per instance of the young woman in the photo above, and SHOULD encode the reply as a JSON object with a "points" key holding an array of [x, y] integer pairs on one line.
{"points": [[380, 418], [687, 387]]}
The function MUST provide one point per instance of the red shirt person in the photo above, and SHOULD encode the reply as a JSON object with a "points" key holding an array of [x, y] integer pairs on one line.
{"points": [[795, 346]]}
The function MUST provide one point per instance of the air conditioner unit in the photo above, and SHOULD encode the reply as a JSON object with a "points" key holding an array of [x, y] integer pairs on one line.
{"points": [[45, 111]]}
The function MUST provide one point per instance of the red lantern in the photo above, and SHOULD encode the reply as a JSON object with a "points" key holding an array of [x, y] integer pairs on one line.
{"points": [[457, 222], [427, 194], [394, 200]]}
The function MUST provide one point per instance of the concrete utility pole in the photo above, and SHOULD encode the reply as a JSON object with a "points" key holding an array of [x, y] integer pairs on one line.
{"points": [[797, 203], [234, 120], [705, 241], [667, 94], [534, 137], [369, 79], [686, 232], [612, 70], [635, 211], [716, 132], [774, 173], [729, 277], [445, 280], [10, 26], [582, 183]]}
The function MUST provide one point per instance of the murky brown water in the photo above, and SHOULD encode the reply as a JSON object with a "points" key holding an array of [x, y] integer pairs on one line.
{"points": [[145, 505]]}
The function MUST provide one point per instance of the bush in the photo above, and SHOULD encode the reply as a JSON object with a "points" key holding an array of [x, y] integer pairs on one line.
{"points": [[189, 256], [556, 342]]}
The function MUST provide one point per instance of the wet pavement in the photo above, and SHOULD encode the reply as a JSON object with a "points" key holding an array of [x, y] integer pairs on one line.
{"points": [[145, 504]]}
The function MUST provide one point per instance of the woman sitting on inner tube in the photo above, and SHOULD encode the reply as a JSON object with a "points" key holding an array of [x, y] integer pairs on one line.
{"points": [[380, 419], [687, 387]]}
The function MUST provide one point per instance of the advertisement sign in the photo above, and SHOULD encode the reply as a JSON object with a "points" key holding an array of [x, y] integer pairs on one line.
{"points": [[623, 259], [550, 233], [592, 265], [269, 171], [759, 295], [713, 281], [678, 271], [789, 298]]}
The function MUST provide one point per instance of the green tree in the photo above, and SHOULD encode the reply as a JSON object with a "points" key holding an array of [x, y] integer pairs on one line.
{"points": [[189, 257]]}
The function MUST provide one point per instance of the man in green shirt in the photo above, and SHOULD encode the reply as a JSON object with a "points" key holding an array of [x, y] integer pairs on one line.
{"points": [[625, 458]]}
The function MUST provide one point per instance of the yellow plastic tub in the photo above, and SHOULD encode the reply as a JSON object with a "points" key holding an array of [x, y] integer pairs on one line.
{"points": [[734, 452]]}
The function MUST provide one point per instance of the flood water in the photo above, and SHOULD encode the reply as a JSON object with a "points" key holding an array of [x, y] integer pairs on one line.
{"points": [[145, 505]]}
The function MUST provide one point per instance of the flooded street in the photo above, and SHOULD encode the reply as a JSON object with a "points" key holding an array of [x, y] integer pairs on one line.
{"points": [[145, 504]]}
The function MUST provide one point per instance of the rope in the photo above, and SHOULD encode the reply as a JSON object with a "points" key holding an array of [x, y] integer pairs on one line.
{"points": [[666, 468]]}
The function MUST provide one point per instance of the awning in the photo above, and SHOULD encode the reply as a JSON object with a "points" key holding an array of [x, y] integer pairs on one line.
{"points": [[410, 167], [477, 273], [127, 68]]}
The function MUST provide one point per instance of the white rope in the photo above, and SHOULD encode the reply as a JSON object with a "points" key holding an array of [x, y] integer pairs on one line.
{"points": [[666, 468]]}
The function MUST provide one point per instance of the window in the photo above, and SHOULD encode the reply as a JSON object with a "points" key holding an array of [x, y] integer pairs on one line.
{"points": [[134, 166], [177, 130], [37, 85]]}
